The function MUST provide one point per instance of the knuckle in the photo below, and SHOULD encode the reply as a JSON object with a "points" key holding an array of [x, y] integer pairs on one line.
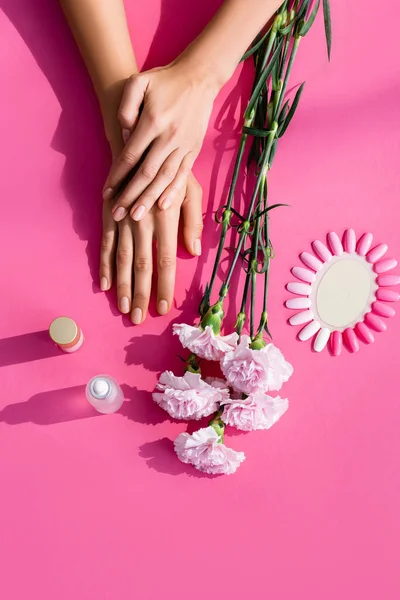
{"points": [[129, 158], [168, 171], [124, 256], [107, 241], [142, 264], [139, 298], [148, 171], [166, 261]]}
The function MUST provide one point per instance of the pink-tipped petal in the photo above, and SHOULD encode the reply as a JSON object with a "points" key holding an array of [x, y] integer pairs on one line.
{"points": [[309, 330], [364, 333], [383, 310], [377, 253], [387, 295], [311, 261], [349, 240], [296, 303], [364, 243], [303, 289], [301, 318], [322, 251], [334, 243], [303, 274], [322, 339], [350, 339], [336, 343], [388, 280], [375, 322]]}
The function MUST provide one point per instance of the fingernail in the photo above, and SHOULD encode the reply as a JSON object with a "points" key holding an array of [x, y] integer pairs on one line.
{"points": [[163, 307], [108, 192], [124, 305], [166, 203], [197, 247], [103, 284], [119, 213], [126, 134], [137, 316], [138, 213]]}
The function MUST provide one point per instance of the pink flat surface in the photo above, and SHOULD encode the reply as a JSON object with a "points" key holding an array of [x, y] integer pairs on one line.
{"points": [[97, 507]]}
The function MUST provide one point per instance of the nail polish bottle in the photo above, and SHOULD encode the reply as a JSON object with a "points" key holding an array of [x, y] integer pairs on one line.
{"points": [[66, 334], [104, 394]]}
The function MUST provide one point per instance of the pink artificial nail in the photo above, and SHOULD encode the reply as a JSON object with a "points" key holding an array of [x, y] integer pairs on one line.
{"points": [[321, 250], [302, 289], [349, 240], [388, 280], [385, 265], [301, 318], [303, 274], [138, 213], [311, 261], [309, 330], [334, 243], [364, 243], [296, 303], [387, 295], [375, 322], [383, 310], [364, 333], [119, 213], [351, 340], [336, 343], [377, 253]]}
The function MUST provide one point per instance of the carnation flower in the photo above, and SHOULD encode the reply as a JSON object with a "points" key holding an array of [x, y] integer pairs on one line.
{"points": [[205, 343], [204, 450], [251, 371], [189, 397], [257, 411]]}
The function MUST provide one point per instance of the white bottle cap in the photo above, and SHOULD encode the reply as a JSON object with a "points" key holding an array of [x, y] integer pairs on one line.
{"points": [[100, 388]]}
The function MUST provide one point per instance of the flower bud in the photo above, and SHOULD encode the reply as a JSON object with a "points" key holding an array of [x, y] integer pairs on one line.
{"points": [[218, 425], [213, 318], [258, 343]]}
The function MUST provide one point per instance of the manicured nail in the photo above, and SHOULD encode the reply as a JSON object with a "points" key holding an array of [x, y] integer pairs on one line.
{"points": [[166, 203], [124, 305], [126, 134], [103, 284], [107, 194], [138, 213], [163, 307], [119, 213], [137, 316], [197, 247]]}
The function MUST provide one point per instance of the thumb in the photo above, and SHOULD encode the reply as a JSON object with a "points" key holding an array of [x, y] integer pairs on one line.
{"points": [[132, 100]]}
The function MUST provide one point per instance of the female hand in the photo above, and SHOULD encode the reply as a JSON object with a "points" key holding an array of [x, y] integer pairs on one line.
{"points": [[177, 102], [128, 246]]}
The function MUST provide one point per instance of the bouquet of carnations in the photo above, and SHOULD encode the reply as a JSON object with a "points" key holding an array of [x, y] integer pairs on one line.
{"points": [[251, 366]]}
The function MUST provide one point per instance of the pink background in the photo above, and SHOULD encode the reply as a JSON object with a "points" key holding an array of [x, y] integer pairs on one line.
{"points": [[98, 507]]}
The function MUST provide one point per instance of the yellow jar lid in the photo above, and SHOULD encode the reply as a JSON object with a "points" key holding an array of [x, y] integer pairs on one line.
{"points": [[63, 330]]}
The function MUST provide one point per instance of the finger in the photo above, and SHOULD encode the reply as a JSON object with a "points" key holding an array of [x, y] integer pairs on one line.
{"points": [[107, 251], [193, 217], [178, 185], [143, 268], [167, 234], [124, 267], [132, 100], [131, 154], [150, 191]]}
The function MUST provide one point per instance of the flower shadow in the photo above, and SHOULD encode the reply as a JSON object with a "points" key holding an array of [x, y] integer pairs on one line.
{"points": [[139, 407], [161, 457]]}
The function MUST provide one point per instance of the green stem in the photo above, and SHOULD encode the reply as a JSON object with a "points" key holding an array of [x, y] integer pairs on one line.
{"points": [[282, 91]]}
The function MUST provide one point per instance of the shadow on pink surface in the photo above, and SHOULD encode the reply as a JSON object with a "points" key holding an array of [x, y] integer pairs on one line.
{"points": [[160, 456], [26, 348]]}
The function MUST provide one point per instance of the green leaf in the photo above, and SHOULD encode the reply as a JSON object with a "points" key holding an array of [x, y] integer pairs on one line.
{"points": [[257, 45], [283, 113], [263, 78], [310, 21], [291, 112], [286, 29], [328, 27], [302, 10], [256, 132]]}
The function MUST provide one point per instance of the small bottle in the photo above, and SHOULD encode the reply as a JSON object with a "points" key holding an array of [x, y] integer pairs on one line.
{"points": [[66, 334], [104, 394]]}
